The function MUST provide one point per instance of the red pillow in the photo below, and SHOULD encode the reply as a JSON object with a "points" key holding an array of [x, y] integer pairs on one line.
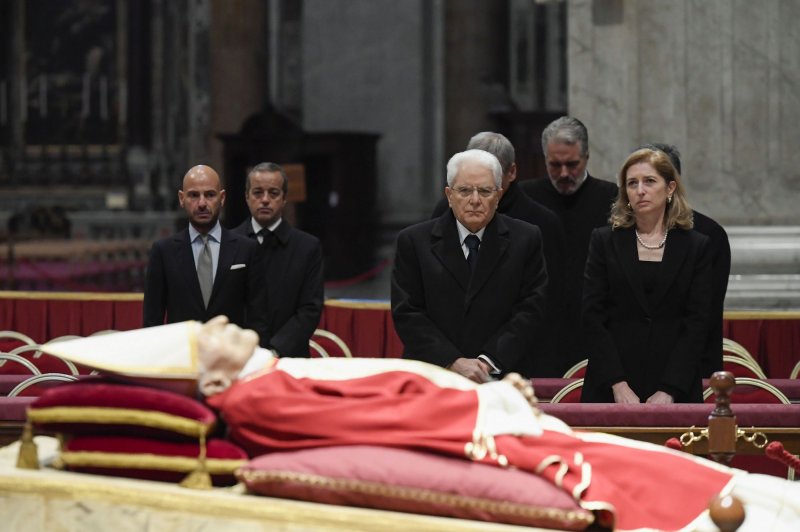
{"points": [[149, 459], [409, 481], [120, 409]]}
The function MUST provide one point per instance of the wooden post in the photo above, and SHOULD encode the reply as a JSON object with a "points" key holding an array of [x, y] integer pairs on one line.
{"points": [[721, 421]]}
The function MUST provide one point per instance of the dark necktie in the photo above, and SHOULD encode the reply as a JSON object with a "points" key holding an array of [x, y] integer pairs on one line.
{"points": [[473, 243], [205, 270], [267, 238]]}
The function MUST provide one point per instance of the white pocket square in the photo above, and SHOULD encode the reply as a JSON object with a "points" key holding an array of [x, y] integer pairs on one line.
{"points": [[238, 266]]}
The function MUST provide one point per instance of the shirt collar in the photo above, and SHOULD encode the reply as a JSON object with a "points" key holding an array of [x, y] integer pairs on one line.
{"points": [[215, 233], [257, 227], [463, 232]]}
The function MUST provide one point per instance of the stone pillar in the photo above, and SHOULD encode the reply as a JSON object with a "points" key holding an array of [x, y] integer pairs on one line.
{"points": [[476, 68], [372, 67], [238, 67], [717, 78]]}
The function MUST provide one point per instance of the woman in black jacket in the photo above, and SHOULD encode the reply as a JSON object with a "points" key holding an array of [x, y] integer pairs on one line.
{"points": [[647, 291]]}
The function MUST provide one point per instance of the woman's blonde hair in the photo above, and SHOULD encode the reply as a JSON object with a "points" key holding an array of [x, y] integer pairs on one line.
{"points": [[678, 212]]}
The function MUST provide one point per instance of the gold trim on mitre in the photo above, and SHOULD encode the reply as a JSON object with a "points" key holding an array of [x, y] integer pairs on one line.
{"points": [[167, 351]]}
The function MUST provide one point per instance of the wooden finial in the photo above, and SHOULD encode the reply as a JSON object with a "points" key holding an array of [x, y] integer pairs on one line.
{"points": [[727, 512], [721, 421], [722, 382]]}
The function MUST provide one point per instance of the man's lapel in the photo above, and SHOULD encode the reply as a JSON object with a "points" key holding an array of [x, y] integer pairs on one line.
{"points": [[183, 250], [494, 246], [227, 251], [446, 247]]}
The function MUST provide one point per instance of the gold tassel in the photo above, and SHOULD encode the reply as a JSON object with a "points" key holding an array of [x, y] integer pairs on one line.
{"points": [[199, 479], [28, 457]]}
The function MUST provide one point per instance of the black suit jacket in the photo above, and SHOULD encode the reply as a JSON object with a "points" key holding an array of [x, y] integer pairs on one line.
{"points": [[720, 272], [441, 315], [654, 343], [293, 276], [514, 203], [172, 291]]}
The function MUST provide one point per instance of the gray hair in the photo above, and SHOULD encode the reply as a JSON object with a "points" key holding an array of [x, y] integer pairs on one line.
{"points": [[483, 158], [267, 167], [566, 130], [496, 144]]}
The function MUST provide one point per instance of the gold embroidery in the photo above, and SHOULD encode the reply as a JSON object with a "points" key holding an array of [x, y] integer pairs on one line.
{"points": [[414, 494], [482, 445], [121, 416], [178, 464]]}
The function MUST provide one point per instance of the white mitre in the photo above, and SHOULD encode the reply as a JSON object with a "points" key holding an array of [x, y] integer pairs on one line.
{"points": [[168, 351], [166, 356]]}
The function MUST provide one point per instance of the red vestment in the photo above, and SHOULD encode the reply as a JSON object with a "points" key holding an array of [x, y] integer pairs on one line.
{"points": [[643, 486]]}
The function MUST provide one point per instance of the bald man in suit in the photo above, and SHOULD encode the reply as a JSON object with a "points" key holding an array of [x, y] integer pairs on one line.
{"points": [[205, 270]]}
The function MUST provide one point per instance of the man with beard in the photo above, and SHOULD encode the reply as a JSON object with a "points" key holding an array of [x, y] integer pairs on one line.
{"points": [[205, 270], [582, 203]]}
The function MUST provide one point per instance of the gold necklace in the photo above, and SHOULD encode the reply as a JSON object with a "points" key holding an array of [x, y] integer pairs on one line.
{"points": [[648, 246]]}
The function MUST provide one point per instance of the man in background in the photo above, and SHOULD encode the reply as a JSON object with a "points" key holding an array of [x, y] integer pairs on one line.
{"points": [[204, 270], [293, 263], [582, 203]]}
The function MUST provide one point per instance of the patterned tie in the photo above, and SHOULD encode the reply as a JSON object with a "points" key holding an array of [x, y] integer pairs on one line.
{"points": [[473, 243], [205, 270]]}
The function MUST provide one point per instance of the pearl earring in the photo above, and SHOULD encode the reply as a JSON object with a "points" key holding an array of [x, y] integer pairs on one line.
{"points": [[669, 199]]}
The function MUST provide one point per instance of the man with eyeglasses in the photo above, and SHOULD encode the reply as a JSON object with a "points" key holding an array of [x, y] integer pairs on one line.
{"points": [[293, 271], [468, 288], [582, 203], [516, 204]]}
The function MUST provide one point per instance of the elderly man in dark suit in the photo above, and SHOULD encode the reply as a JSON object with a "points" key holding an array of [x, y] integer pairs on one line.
{"points": [[205, 270], [293, 271], [468, 288], [516, 204]]}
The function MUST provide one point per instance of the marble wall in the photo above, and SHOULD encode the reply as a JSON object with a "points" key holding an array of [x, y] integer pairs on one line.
{"points": [[720, 79], [372, 66]]}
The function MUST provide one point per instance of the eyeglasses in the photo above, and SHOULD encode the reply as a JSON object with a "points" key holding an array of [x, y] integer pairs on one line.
{"points": [[466, 192]]}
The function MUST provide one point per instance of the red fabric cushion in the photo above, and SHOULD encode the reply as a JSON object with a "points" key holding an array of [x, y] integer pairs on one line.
{"points": [[149, 459], [408, 481], [102, 407]]}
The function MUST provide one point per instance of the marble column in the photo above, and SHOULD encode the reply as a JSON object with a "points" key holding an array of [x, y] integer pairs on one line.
{"points": [[373, 67], [719, 79], [238, 68]]}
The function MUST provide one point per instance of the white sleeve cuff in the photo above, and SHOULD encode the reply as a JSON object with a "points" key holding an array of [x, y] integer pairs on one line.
{"points": [[494, 369]]}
